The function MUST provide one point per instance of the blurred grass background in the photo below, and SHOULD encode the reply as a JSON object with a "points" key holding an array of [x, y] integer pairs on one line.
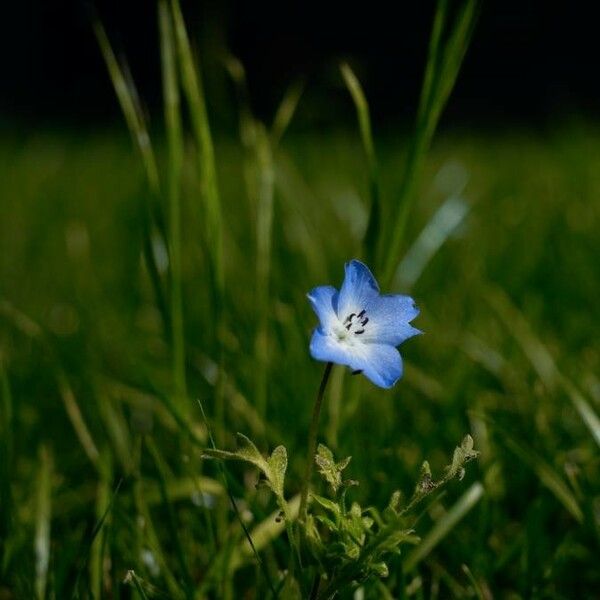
{"points": [[501, 254]]}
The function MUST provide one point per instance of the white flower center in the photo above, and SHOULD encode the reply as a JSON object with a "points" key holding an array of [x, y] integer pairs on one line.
{"points": [[353, 325]]}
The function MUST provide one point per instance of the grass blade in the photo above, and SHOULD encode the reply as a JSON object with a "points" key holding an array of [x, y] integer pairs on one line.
{"points": [[444, 525], [88, 541], [262, 535], [547, 475], [43, 520], [236, 509], [128, 100], [583, 407], [366, 136], [445, 220], [259, 175], [103, 499], [175, 160], [151, 540], [134, 117], [264, 229], [172, 522], [76, 418], [133, 579], [6, 462], [285, 111], [541, 360], [192, 86], [446, 53]]}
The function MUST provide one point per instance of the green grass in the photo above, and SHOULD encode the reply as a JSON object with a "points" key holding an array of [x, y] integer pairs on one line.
{"points": [[510, 354], [153, 293]]}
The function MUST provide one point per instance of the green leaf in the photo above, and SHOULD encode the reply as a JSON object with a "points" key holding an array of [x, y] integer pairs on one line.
{"points": [[247, 452], [277, 465], [273, 468], [462, 454], [329, 469], [395, 501], [328, 504], [326, 521], [380, 569]]}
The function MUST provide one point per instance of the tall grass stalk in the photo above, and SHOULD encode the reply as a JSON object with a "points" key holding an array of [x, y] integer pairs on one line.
{"points": [[191, 81], [172, 525], [175, 161], [148, 538], [542, 360], [76, 417], [259, 175], [446, 53], [43, 521], [444, 525], [259, 179], [103, 500], [132, 111], [6, 463], [285, 111], [264, 225], [366, 135], [134, 117]]}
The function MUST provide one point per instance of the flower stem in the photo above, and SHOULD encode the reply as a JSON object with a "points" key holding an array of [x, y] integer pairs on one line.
{"points": [[312, 442]]}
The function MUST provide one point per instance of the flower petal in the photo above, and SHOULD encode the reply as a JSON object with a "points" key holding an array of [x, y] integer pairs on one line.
{"points": [[323, 300], [380, 363], [389, 317], [358, 290], [328, 349]]}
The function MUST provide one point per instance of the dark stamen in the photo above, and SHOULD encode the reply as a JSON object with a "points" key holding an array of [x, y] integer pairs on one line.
{"points": [[365, 321], [349, 318], [361, 313], [359, 331]]}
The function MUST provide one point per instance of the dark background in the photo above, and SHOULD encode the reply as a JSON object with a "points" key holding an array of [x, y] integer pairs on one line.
{"points": [[529, 62]]}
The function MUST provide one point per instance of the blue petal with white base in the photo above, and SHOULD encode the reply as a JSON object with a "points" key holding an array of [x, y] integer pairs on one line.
{"points": [[360, 328]]}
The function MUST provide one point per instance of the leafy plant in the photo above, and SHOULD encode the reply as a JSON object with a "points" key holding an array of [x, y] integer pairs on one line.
{"points": [[343, 543]]}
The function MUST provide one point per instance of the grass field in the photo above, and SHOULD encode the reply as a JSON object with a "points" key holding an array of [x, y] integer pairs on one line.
{"points": [[510, 354], [150, 309]]}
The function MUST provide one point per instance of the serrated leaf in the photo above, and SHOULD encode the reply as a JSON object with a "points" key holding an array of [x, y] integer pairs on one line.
{"points": [[467, 444], [343, 463], [356, 510], [380, 569], [328, 504], [273, 468], [220, 454], [278, 465], [311, 531], [395, 500], [367, 522], [352, 550], [249, 452], [426, 483], [328, 468], [325, 453], [327, 522], [462, 454]]}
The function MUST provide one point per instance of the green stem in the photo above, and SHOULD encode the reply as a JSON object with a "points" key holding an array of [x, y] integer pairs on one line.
{"points": [[312, 442], [314, 592]]}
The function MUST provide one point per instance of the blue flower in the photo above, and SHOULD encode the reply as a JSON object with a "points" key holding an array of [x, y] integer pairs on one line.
{"points": [[360, 328]]}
